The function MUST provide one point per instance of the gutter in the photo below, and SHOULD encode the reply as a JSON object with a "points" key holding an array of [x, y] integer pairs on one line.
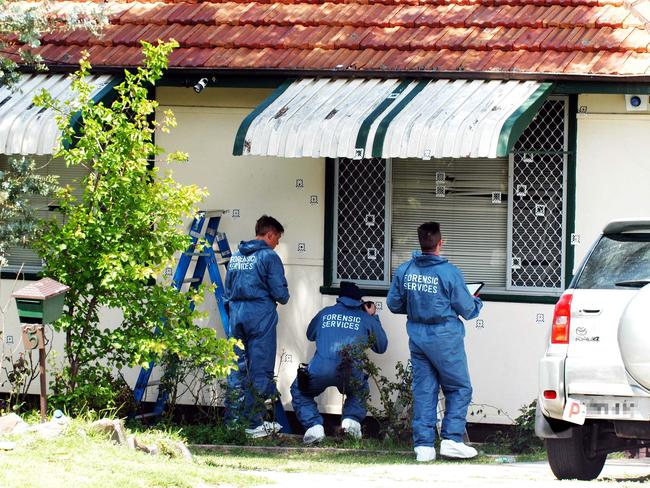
{"points": [[346, 73]]}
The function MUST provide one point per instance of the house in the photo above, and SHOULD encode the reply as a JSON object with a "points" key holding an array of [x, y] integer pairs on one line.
{"points": [[520, 125]]}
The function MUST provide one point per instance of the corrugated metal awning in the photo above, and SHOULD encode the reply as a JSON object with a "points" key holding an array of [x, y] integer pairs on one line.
{"points": [[27, 129], [391, 118]]}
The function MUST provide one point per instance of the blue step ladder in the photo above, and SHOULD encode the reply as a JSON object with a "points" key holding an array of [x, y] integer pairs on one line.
{"points": [[203, 234]]}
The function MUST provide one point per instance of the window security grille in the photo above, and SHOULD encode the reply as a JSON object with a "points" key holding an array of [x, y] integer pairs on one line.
{"points": [[361, 247], [538, 168]]}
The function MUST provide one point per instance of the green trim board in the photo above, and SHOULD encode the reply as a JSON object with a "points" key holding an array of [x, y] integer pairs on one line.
{"points": [[328, 231], [521, 118], [576, 88], [240, 138], [570, 215], [380, 134], [106, 95]]}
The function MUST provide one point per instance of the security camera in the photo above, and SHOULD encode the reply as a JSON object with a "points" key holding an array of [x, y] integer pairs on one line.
{"points": [[636, 103], [200, 85]]}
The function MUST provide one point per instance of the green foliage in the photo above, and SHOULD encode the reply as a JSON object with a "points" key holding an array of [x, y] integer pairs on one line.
{"points": [[521, 439], [119, 236], [18, 183], [395, 410]]}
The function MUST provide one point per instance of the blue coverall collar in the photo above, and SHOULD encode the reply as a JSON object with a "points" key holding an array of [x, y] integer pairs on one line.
{"points": [[349, 302], [248, 247], [428, 259]]}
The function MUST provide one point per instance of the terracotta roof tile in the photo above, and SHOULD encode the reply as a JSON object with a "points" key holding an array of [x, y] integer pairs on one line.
{"points": [[555, 39], [613, 16], [503, 60], [381, 38], [527, 16], [609, 39], [473, 60], [599, 37], [486, 16], [450, 61], [552, 61], [530, 39], [506, 39], [454, 37], [480, 38], [636, 63], [407, 15], [432, 16], [583, 62], [426, 38], [638, 41], [610, 63]]}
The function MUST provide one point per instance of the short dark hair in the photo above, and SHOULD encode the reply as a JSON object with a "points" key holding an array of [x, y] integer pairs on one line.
{"points": [[267, 223], [429, 235]]}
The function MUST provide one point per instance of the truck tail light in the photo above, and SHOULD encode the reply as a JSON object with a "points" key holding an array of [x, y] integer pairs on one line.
{"points": [[550, 394], [561, 320]]}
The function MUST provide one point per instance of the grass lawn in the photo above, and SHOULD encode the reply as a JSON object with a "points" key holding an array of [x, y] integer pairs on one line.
{"points": [[82, 458], [88, 460]]}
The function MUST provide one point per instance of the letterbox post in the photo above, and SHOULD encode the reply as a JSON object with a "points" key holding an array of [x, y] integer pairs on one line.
{"points": [[39, 303]]}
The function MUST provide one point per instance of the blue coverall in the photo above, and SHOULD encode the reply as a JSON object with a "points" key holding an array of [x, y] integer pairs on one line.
{"points": [[432, 293], [255, 283], [333, 328]]}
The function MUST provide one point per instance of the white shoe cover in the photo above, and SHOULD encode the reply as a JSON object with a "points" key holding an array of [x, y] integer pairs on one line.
{"points": [[352, 428], [424, 454], [314, 434], [266, 429], [457, 450]]}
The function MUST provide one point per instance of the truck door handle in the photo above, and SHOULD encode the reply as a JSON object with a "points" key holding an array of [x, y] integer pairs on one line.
{"points": [[589, 311]]}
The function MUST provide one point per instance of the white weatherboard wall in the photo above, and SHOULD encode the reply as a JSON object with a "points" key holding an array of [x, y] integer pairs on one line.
{"points": [[613, 166], [503, 346]]}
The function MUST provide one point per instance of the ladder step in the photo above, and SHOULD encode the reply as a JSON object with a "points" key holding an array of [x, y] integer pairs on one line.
{"points": [[190, 280], [197, 254], [214, 213], [147, 415]]}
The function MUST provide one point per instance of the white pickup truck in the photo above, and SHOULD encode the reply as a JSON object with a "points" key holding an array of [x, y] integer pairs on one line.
{"points": [[594, 380]]}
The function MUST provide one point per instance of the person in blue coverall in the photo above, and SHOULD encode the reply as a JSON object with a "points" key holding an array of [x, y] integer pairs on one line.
{"points": [[255, 284], [349, 322], [432, 293]]}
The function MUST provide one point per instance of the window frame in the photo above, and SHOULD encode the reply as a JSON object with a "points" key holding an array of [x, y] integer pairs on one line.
{"points": [[542, 296]]}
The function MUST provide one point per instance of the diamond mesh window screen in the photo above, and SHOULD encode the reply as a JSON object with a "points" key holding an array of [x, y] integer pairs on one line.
{"points": [[538, 168], [360, 253]]}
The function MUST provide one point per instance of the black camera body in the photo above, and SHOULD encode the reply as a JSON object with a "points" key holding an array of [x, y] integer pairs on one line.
{"points": [[303, 377]]}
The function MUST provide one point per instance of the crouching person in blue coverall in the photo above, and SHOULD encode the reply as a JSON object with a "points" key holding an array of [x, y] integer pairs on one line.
{"points": [[255, 284], [349, 322], [432, 293]]}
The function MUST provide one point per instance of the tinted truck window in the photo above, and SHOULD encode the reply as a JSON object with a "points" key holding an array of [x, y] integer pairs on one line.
{"points": [[617, 258]]}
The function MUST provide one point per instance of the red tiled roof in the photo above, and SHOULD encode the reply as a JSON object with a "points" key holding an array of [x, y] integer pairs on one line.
{"points": [[590, 37]]}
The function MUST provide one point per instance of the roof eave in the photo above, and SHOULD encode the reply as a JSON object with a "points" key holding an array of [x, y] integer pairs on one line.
{"points": [[351, 73]]}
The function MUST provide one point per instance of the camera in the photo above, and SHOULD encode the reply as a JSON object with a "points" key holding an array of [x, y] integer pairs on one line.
{"points": [[200, 85], [303, 377]]}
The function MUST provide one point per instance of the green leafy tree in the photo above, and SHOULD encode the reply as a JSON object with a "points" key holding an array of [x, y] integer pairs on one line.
{"points": [[117, 237]]}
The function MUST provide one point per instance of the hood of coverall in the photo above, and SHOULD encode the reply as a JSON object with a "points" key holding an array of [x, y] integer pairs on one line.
{"points": [[349, 302], [249, 247], [428, 259]]}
